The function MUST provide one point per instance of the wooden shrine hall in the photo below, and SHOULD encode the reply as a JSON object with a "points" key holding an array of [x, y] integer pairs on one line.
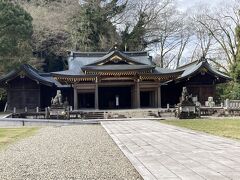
{"points": [[110, 80]]}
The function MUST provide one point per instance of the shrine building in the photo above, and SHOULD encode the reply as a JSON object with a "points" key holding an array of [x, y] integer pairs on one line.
{"points": [[111, 80]]}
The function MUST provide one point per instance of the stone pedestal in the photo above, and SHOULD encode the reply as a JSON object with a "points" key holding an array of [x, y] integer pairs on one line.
{"points": [[187, 111], [59, 112], [186, 108]]}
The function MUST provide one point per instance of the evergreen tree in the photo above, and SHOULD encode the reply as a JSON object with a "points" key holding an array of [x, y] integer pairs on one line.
{"points": [[15, 35], [235, 68], [134, 40], [232, 89], [91, 27]]}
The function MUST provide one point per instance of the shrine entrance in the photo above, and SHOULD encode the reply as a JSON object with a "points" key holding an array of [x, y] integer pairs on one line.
{"points": [[115, 97], [86, 100], [147, 99]]}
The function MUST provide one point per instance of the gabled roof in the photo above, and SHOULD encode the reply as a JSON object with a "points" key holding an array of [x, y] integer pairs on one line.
{"points": [[78, 62], [28, 71], [198, 66], [115, 55], [80, 59]]}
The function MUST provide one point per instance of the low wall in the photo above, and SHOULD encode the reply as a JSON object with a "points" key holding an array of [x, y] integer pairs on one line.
{"points": [[36, 122], [108, 115]]}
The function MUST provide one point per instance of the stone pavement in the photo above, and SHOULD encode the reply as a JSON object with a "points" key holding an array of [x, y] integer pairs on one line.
{"points": [[160, 151]]}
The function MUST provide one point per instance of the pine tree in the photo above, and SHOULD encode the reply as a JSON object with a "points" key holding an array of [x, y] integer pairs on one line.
{"points": [[92, 28], [15, 36], [235, 68], [232, 90], [134, 40]]}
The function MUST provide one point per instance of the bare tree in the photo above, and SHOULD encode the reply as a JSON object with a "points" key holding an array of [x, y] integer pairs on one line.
{"points": [[153, 9], [202, 40], [170, 35], [217, 34]]}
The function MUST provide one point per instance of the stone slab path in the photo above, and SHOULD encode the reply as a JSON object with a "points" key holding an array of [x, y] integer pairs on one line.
{"points": [[160, 151]]}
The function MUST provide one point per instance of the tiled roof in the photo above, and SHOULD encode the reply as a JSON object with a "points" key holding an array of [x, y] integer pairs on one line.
{"points": [[194, 68], [30, 72], [80, 59]]}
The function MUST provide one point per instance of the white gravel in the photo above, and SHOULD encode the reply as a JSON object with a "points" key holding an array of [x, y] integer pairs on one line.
{"points": [[67, 152]]}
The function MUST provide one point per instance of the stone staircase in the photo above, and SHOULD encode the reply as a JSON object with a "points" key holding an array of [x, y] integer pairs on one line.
{"points": [[122, 114], [118, 115], [152, 114], [93, 115]]}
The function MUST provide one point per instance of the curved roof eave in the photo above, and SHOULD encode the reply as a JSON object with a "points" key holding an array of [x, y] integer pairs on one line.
{"points": [[74, 75], [204, 64], [34, 74], [30, 73]]}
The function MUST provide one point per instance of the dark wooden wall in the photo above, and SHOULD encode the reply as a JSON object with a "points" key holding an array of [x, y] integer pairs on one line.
{"points": [[23, 92], [200, 85], [46, 94], [170, 94], [202, 92]]}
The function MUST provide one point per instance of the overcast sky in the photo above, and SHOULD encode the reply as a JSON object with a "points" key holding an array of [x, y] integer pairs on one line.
{"points": [[185, 4]]}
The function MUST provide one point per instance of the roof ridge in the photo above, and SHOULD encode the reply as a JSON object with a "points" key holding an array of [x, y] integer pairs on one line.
{"points": [[30, 67], [188, 64], [112, 53], [79, 53]]}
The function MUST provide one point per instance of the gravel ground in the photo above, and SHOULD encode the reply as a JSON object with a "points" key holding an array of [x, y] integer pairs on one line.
{"points": [[67, 152]]}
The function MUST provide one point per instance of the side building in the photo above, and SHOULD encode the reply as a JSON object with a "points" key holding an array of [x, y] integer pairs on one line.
{"points": [[199, 77], [110, 80], [27, 87]]}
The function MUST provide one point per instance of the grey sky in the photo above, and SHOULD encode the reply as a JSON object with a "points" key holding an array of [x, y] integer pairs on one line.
{"points": [[185, 4]]}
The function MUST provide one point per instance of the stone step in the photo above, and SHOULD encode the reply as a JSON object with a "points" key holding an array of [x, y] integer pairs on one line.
{"points": [[151, 114], [93, 115]]}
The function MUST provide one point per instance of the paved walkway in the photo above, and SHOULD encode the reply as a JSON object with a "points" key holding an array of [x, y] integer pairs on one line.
{"points": [[160, 151]]}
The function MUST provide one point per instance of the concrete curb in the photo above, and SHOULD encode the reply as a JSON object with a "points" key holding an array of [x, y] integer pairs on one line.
{"points": [[41, 122], [51, 122]]}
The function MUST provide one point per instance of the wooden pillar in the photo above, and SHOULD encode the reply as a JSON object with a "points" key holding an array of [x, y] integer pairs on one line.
{"points": [[133, 97], [137, 88], [156, 98], [96, 95], [159, 102], [201, 99], [40, 96], [75, 99]]}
